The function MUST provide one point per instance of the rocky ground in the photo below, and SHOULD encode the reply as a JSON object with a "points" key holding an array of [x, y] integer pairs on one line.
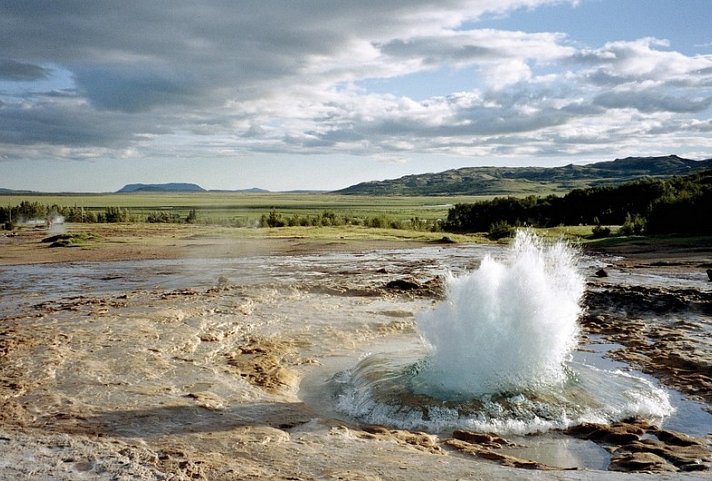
{"points": [[204, 383]]}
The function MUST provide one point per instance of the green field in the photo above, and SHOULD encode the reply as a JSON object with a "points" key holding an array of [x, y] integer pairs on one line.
{"points": [[228, 208]]}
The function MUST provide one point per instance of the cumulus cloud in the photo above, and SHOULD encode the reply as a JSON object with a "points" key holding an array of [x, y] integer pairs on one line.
{"points": [[218, 77], [635, 61]]}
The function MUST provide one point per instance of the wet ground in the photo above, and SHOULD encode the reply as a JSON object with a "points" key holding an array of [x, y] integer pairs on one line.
{"points": [[214, 369]]}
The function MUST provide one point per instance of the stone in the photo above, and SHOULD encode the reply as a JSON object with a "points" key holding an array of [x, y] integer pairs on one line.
{"points": [[636, 462], [484, 439], [403, 285]]}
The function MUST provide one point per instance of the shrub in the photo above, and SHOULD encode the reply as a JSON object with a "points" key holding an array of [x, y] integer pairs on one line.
{"points": [[163, 218], [600, 231], [500, 230], [378, 222], [116, 214], [633, 225], [273, 219]]}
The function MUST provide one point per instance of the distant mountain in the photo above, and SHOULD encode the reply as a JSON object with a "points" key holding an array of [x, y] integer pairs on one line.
{"points": [[13, 191], [530, 180], [170, 187]]}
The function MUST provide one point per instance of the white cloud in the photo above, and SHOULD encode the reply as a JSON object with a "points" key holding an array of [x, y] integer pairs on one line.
{"points": [[637, 61], [221, 79], [503, 74]]}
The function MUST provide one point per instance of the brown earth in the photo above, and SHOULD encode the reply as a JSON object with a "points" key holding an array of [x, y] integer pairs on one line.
{"points": [[115, 242], [84, 345]]}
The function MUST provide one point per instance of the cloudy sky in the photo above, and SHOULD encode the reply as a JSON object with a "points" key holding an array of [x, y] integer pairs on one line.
{"points": [[321, 94]]}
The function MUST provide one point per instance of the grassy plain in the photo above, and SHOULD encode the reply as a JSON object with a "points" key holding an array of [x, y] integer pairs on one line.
{"points": [[233, 208], [230, 215]]}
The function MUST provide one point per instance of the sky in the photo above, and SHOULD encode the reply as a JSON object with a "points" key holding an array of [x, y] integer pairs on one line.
{"points": [[323, 94]]}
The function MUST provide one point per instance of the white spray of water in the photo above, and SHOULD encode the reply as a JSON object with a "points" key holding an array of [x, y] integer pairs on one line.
{"points": [[55, 224], [509, 325], [500, 357]]}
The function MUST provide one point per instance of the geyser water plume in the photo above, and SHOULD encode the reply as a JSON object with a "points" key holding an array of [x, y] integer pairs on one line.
{"points": [[508, 326], [55, 223], [498, 356]]}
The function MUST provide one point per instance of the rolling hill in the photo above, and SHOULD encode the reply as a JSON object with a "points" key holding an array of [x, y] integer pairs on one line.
{"points": [[530, 180]]}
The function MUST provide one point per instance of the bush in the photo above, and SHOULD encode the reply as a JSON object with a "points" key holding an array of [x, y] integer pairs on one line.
{"points": [[633, 225], [163, 218], [116, 214], [500, 230], [379, 222], [599, 231], [273, 219]]}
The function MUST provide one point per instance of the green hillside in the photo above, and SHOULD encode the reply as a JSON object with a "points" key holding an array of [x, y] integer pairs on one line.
{"points": [[530, 180]]}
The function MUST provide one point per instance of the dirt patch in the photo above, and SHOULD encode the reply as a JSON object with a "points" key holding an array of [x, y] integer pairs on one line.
{"points": [[266, 363], [115, 242]]}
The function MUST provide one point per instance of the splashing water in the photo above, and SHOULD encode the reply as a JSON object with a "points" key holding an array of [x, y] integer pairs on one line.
{"points": [[498, 356], [56, 224], [509, 325]]}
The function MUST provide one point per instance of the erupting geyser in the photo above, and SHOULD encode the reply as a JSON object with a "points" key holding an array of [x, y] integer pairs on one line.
{"points": [[499, 356], [510, 325]]}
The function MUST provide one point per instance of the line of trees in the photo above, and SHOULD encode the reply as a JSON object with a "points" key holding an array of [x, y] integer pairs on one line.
{"points": [[332, 219], [27, 211], [35, 211], [678, 204]]}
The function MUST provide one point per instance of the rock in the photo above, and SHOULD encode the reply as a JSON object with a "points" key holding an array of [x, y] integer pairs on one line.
{"points": [[431, 288], [645, 300], [671, 451], [418, 440], [635, 462], [685, 458], [403, 285], [484, 439], [484, 452], [618, 433], [601, 273], [677, 439], [709, 274], [445, 240]]}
